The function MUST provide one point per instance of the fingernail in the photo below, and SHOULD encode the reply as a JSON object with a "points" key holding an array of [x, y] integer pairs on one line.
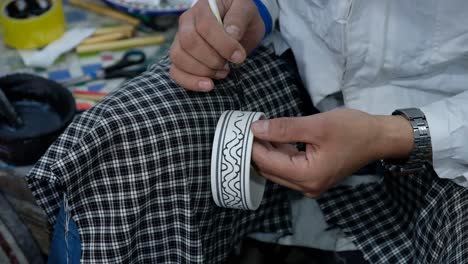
{"points": [[260, 126], [236, 57], [205, 85], [232, 31], [221, 74], [226, 67]]}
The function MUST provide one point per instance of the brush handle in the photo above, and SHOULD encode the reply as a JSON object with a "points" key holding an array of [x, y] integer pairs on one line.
{"points": [[8, 112], [214, 8], [105, 38], [122, 44], [105, 11], [127, 29]]}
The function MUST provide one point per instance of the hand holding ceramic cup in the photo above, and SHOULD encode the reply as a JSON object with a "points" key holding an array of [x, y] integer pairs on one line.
{"points": [[234, 182]]}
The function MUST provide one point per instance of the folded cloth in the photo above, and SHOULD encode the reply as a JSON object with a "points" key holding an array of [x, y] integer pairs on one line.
{"points": [[136, 168], [403, 219]]}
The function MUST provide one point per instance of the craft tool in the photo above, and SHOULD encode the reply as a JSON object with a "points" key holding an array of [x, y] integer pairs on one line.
{"points": [[128, 29], [109, 12], [122, 44], [8, 111], [105, 38], [105, 11], [132, 64], [215, 10]]}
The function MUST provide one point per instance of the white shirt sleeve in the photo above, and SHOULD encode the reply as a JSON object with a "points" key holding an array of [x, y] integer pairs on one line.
{"points": [[448, 125]]}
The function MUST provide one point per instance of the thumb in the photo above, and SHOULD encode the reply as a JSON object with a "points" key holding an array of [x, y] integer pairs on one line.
{"points": [[284, 130], [238, 18]]}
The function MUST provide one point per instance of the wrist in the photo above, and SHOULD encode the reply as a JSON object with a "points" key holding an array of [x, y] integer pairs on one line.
{"points": [[395, 139]]}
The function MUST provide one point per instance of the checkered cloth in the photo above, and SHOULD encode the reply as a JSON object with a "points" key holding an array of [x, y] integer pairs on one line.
{"points": [[403, 219], [136, 168]]}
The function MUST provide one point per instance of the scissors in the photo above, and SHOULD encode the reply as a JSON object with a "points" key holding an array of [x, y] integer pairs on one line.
{"points": [[130, 65]]}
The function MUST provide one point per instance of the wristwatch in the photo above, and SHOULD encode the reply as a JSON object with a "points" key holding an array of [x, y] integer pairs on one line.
{"points": [[421, 155]]}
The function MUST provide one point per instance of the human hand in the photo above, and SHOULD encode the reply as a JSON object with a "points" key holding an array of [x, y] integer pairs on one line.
{"points": [[338, 143], [202, 46]]}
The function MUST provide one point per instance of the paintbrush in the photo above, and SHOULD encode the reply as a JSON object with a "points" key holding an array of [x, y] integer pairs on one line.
{"points": [[8, 111]]}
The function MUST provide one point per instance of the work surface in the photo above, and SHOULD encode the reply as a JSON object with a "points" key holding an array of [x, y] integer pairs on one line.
{"points": [[73, 65]]}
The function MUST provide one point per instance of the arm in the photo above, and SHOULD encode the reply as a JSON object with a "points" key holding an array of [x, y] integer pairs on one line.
{"points": [[338, 143]]}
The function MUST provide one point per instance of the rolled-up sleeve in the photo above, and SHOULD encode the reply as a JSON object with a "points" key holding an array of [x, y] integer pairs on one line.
{"points": [[448, 124]]}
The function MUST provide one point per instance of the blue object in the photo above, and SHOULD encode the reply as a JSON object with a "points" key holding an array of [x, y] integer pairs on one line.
{"points": [[91, 69], [58, 249], [266, 16], [147, 9], [96, 87], [59, 75]]}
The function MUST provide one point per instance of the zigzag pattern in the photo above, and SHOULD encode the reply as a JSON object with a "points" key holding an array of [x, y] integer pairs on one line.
{"points": [[231, 167]]}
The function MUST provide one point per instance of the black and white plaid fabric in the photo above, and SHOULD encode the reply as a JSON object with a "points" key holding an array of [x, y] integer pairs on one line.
{"points": [[403, 219], [136, 168]]}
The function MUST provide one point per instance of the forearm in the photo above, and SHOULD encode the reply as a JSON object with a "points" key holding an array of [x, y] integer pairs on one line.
{"points": [[448, 126], [394, 137]]}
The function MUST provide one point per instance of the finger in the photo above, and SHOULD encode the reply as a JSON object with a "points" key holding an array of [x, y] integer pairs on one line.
{"points": [[281, 181], [289, 149], [279, 163], [285, 130], [213, 33], [286, 148], [189, 64], [192, 43], [238, 18], [189, 81]]}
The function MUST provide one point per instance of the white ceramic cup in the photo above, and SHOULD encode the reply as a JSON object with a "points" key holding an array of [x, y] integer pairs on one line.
{"points": [[234, 182]]}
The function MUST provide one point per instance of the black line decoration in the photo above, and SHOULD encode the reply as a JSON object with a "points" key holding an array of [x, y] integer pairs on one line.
{"points": [[230, 167], [232, 161]]}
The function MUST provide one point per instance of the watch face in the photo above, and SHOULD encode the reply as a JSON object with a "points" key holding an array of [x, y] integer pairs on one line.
{"points": [[151, 7]]}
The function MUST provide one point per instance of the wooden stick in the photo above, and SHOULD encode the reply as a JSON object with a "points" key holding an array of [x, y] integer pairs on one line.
{"points": [[85, 92], [105, 38], [121, 44], [89, 97], [108, 30], [105, 11]]}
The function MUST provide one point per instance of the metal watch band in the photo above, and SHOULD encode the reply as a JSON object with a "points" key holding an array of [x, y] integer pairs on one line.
{"points": [[421, 155]]}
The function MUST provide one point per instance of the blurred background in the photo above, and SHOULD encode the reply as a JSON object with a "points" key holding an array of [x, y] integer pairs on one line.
{"points": [[57, 59]]}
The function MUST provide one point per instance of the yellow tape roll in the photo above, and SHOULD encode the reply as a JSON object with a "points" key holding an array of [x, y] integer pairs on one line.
{"points": [[33, 32]]}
